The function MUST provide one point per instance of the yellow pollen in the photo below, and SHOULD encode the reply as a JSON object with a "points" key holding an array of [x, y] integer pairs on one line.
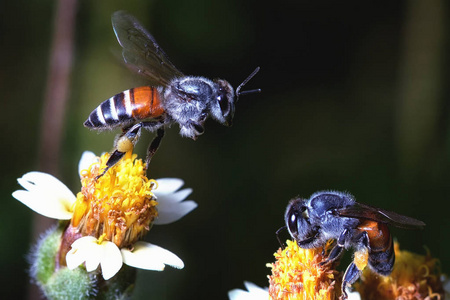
{"points": [[361, 258], [119, 206], [297, 274]]}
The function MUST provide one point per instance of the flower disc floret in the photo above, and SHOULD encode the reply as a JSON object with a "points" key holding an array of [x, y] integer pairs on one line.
{"points": [[297, 274], [118, 205]]}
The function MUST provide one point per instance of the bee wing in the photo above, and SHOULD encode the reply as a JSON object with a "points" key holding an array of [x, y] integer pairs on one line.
{"points": [[359, 210], [141, 52]]}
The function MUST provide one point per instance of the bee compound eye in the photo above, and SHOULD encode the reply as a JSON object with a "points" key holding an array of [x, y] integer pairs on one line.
{"points": [[292, 221], [223, 101]]}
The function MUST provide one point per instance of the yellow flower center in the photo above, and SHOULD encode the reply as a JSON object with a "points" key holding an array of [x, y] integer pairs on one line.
{"points": [[296, 274], [119, 206], [414, 277]]}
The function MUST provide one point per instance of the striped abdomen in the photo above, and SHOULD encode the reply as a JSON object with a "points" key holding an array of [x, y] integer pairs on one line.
{"points": [[130, 106], [381, 253]]}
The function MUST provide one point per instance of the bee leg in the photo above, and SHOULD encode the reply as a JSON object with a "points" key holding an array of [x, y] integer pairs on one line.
{"points": [[328, 244], [124, 143], [197, 127], [336, 252], [354, 270], [192, 129], [152, 125], [154, 145], [113, 159], [350, 276]]}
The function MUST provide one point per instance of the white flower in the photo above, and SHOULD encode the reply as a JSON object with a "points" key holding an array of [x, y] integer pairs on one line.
{"points": [[253, 292], [50, 197]]}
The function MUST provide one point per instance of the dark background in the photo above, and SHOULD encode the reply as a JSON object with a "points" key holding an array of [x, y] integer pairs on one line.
{"points": [[355, 98]]}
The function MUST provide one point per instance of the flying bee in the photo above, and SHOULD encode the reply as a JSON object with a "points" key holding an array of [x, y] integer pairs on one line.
{"points": [[172, 98], [335, 215]]}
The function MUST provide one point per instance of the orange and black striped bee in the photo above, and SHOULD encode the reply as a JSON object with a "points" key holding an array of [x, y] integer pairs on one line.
{"points": [[172, 98], [330, 215]]}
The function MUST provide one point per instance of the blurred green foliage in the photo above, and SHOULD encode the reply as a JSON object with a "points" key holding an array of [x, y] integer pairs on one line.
{"points": [[354, 98]]}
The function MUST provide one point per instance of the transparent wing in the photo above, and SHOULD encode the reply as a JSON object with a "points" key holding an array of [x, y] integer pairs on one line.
{"points": [[141, 52], [359, 210]]}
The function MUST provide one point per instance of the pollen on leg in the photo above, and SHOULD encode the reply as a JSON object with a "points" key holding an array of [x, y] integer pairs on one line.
{"points": [[361, 258], [124, 144]]}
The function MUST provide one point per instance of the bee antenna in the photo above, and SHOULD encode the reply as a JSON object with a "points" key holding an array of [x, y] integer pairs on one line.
{"points": [[238, 90], [249, 92], [278, 235]]}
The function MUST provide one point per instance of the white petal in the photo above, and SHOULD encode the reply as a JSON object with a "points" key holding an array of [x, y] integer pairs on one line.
{"points": [[45, 195], [74, 259], [87, 249], [111, 261], [446, 285], [87, 159], [150, 257], [253, 288], [81, 249], [170, 205], [238, 294], [168, 185], [93, 254], [254, 293], [352, 295], [177, 196], [169, 212]]}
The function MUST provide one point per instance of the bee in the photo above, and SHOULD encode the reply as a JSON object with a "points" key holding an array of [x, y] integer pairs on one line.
{"points": [[172, 97], [335, 215]]}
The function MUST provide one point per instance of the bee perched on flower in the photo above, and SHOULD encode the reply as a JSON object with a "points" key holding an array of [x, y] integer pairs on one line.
{"points": [[103, 225], [335, 215], [297, 274], [304, 270]]}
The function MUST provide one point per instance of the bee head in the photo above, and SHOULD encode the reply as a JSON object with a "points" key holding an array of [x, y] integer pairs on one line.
{"points": [[222, 109], [299, 224]]}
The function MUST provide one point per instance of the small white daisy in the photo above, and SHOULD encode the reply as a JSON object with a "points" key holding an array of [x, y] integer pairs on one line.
{"points": [[160, 203]]}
